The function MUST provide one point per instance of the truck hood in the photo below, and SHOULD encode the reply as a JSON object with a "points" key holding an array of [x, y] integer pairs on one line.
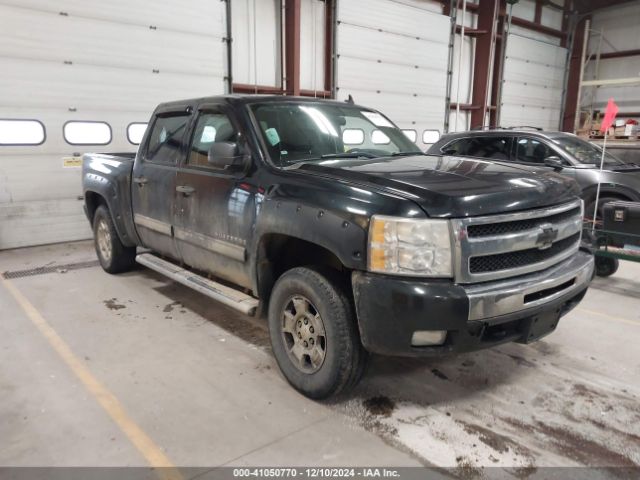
{"points": [[447, 186]]}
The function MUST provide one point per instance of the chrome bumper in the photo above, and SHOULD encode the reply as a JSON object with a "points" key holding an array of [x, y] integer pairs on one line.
{"points": [[493, 299]]}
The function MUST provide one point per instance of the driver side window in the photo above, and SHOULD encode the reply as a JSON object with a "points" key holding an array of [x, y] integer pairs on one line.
{"points": [[210, 128]]}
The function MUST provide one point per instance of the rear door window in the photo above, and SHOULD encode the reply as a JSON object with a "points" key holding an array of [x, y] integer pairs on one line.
{"points": [[166, 142], [496, 148]]}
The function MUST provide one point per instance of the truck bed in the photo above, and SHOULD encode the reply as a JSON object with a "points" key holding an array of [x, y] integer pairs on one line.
{"points": [[106, 177]]}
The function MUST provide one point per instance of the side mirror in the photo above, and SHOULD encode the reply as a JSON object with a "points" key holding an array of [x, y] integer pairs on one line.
{"points": [[225, 156], [554, 162], [449, 151]]}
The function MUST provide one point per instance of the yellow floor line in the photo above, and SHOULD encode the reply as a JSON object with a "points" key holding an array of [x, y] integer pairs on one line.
{"points": [[145, 445], [610, 317]]}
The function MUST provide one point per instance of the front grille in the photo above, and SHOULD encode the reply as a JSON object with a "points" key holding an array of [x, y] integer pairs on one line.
{"points": [[509, 260], [504, 228], [494, 247]]}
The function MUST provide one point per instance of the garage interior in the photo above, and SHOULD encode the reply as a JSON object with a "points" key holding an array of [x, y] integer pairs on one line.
{"points": [[136, 370]]}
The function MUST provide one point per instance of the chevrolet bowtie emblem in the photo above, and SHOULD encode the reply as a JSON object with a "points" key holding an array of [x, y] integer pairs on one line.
{"points": [[546, 237]]}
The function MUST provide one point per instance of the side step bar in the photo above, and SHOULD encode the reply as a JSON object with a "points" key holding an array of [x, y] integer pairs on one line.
{"points": [[223, 294]]}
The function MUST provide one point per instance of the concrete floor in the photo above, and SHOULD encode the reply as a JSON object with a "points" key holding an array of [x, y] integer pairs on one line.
{"points": [[156, 371]]}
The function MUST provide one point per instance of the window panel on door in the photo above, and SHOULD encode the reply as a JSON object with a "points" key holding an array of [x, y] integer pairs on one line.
{"points": [[210, 128], [497, 148], [530, 150], [166, 139]]}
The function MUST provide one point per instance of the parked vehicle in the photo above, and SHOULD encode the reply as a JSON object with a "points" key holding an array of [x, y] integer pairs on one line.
{"points": [[563, 152], [628, 152], [326, 218]]}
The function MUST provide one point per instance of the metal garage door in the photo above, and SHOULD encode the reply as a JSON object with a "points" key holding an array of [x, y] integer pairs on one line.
{"points": [[533, 83], [392, 55], [91, 61]]}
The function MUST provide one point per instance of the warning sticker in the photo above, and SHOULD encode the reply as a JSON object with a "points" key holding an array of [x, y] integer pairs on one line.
{"points": [[72, 162]]}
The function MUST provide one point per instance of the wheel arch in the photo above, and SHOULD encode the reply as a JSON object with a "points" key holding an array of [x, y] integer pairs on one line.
{"points": [[277, 252], [94, 199]]}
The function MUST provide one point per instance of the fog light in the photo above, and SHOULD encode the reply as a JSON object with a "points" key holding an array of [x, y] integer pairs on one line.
{"points": [[424, 338]]}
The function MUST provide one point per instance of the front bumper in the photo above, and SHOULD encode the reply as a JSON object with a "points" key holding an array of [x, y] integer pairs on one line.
{"points": [[521, 309]]}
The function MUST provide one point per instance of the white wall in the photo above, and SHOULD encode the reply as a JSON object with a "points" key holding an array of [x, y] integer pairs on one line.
{"points": [[257, 35], [533, 82], [621, 28], [312, 42], [91, 60], [392, 55]]}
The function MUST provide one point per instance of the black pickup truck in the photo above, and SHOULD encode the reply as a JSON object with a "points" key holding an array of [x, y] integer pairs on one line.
{"points": [[323, 216]]}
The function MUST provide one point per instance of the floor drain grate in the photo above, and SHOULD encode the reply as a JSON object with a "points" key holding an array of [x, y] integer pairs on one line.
{"points": [[50, 269]]}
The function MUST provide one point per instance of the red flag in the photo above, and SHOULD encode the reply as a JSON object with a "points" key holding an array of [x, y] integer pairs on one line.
{"points": [[609, 115]]}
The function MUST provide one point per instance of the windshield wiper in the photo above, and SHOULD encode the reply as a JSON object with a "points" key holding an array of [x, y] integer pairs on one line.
{"points": [[406, 154], [349, 155]]}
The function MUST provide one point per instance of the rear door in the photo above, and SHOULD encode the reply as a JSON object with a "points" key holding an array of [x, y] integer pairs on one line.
{"points": [[215, 209], [154, 179]]}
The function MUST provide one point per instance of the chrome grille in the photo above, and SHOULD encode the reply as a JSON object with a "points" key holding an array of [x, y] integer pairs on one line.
{"points": [[506, 261], [489, 229], [501, 246]]}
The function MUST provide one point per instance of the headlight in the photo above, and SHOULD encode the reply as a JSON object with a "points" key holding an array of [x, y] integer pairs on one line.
{"points": [[410, 247]]}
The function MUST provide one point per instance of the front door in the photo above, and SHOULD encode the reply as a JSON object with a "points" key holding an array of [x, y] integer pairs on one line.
{"points": [[154, 181], [215, 208]]}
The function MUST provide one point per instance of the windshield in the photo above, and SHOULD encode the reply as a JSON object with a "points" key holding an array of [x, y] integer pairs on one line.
{"points": [[586, 152], [307, 132]]}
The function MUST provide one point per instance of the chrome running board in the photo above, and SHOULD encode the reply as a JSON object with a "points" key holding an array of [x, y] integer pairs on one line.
{"points": [[223, 294]]}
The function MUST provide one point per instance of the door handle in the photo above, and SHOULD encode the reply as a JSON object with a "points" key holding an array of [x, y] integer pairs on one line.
{"points": [[186, 190], [140, 180]]}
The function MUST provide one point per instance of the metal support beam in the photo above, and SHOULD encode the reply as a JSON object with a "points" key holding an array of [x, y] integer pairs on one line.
{"points": [[538, 13], [521, 22], [292, 46], [612, 82], [573, 80], [228, 39], [620, 54], [329, 11], [484, 61]]}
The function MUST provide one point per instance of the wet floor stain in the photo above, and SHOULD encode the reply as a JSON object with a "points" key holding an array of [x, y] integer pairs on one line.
{"points": [[439, 374], [381, 406], [169, 306], [112, 304]]}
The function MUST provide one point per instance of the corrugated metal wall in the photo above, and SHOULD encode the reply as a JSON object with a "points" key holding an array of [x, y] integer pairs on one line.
{"points": [[393, 56], [91, 60]]}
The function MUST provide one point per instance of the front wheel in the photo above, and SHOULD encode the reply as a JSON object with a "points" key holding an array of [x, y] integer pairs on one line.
{"points": [[314, 334], [114, 257], [606, 266]]}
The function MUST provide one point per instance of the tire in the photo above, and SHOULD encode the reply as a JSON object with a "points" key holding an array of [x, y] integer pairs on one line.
{"points": [[605, 266], [308, 294], [114, 257]]}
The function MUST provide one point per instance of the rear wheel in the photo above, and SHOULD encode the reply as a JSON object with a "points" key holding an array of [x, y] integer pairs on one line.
{"points": [[114, 257], [314, 334]]}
